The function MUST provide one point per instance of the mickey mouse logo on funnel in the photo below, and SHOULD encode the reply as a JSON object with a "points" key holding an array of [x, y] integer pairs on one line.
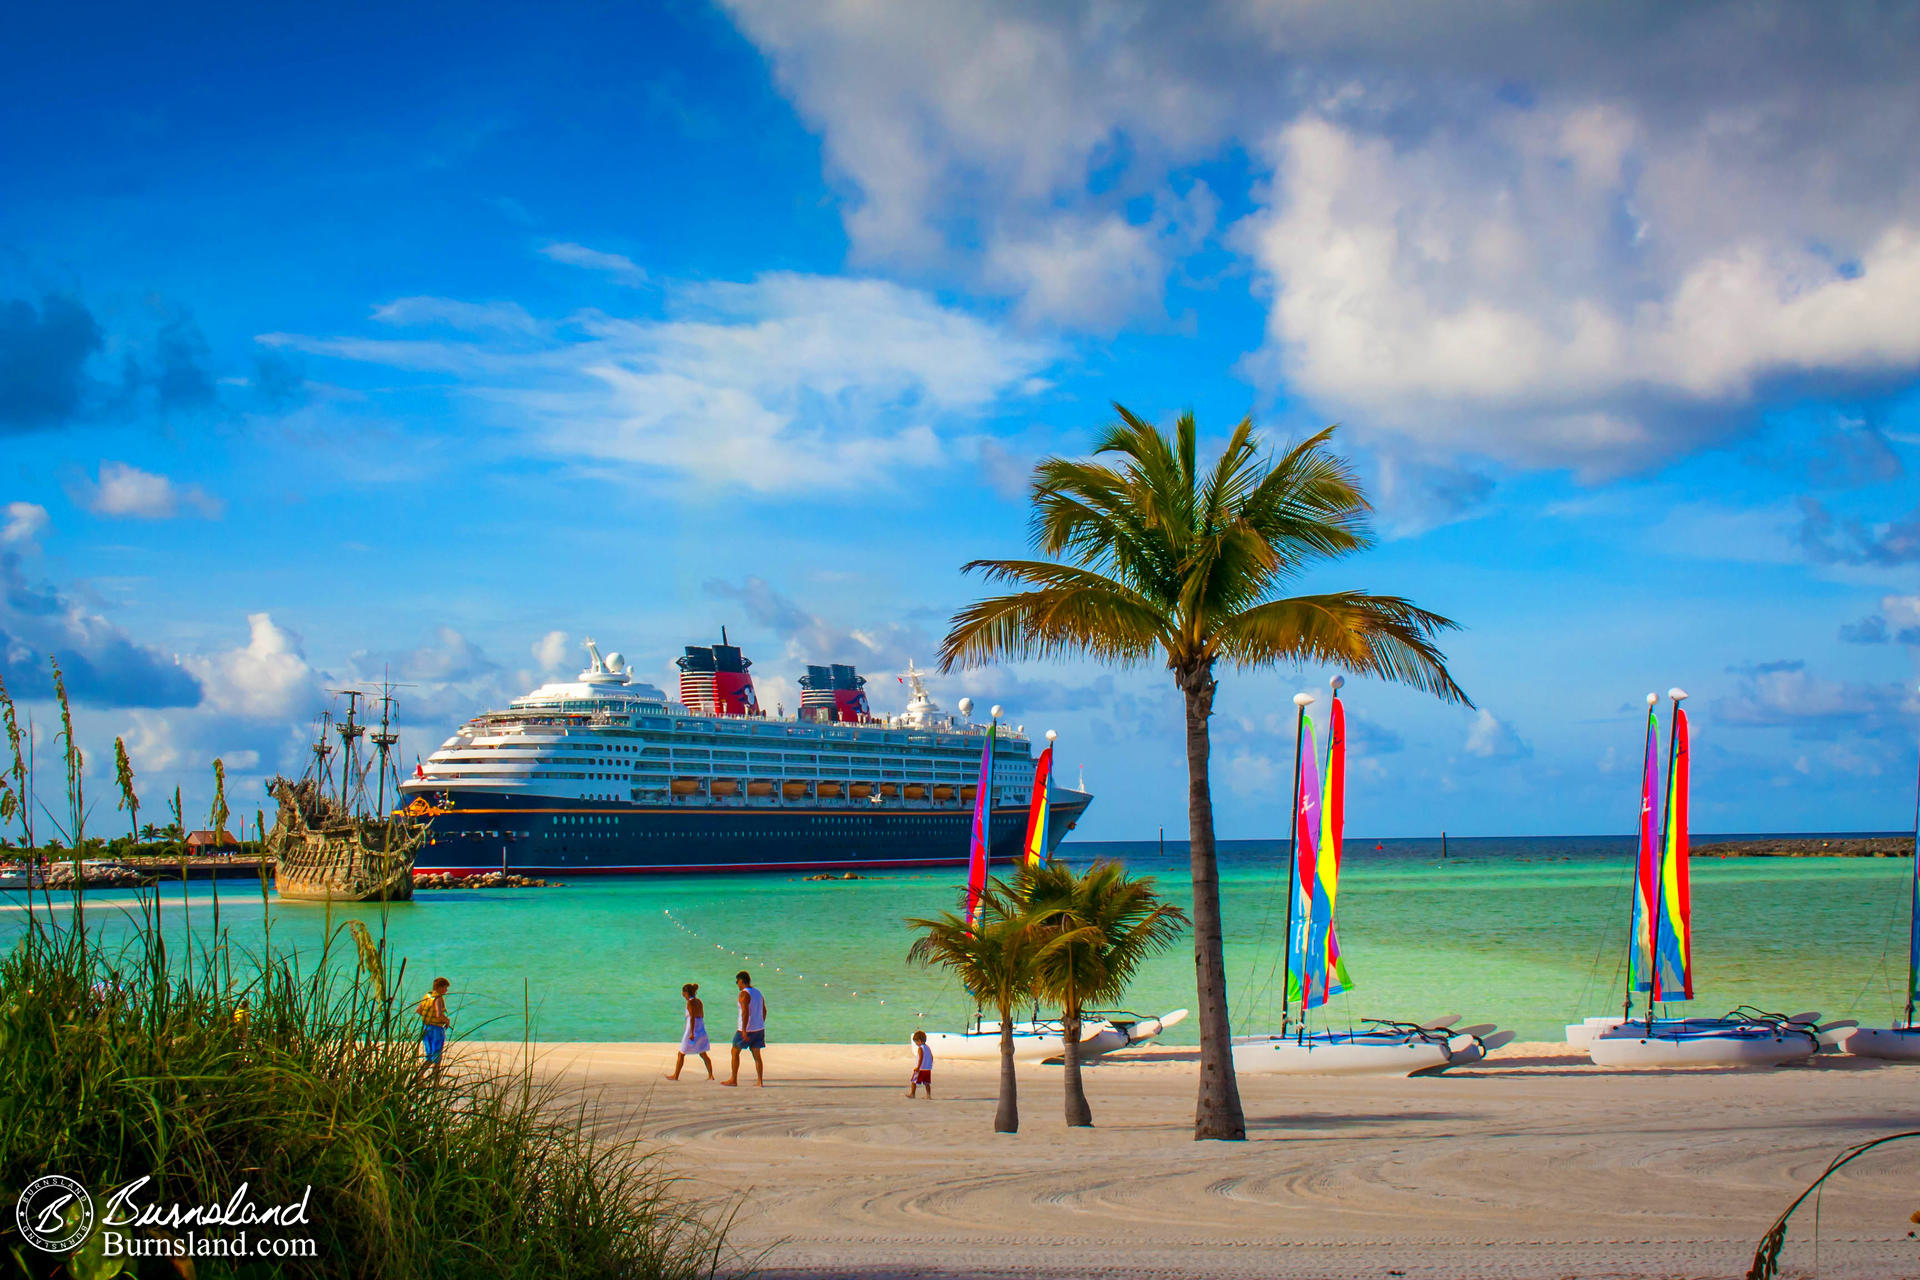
{"points": [[54, 1213]]}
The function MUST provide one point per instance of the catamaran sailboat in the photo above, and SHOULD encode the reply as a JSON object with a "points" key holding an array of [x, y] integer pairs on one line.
{"points": [[1036, 1039], [1652, 840], [1899, 1043], [1378, 1046], [1660, 960], [1041, 1040]]}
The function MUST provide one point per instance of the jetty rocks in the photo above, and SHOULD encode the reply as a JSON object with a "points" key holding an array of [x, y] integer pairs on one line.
{"points": [[845, 875], [487, 880], [1809, 847], [59, 875]]}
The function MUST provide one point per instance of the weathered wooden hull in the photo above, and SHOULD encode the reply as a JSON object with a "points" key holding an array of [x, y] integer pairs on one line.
{"points": [[352, 860]]}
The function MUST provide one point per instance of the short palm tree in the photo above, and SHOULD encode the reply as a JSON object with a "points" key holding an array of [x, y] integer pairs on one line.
{"points": [[1152, 558], [1096, 929], [993, 958]]}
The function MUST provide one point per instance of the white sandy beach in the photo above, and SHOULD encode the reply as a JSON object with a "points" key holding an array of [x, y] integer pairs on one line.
{"points": [[1535, 1165]]}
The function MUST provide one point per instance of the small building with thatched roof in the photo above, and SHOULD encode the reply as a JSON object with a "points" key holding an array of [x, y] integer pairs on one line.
{"points": [[211, 842]]}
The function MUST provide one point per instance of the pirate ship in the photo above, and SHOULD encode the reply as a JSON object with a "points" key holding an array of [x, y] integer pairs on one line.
{"points": [[328, 843]]}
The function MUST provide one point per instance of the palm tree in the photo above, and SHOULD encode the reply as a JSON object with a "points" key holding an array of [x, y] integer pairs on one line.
{"points": [[1152, 558], [993, 958], [1097, 928]]}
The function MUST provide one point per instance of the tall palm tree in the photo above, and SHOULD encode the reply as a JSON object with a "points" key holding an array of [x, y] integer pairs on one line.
{"points": [[1151, 557], [1096, 929], [993, 958]]}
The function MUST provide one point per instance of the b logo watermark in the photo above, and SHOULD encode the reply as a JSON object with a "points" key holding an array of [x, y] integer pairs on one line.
{"points": [[54, 1213]]}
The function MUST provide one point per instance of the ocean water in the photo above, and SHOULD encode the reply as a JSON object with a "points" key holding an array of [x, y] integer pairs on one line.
{"points": [[1526, 933]]}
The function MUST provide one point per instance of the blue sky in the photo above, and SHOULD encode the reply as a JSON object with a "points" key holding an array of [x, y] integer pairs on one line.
{"points": [[340, 341]]}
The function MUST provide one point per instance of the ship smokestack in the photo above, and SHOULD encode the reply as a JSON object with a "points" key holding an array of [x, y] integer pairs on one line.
{"points": [[714, 680], [833, 693]]}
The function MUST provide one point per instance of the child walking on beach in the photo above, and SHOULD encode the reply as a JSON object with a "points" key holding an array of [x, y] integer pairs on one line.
{"points": [[694, 1039], [433, 1016], [922, 1066]]}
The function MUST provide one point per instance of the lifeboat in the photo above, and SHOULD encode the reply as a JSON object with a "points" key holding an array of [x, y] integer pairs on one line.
{"points": [[759, 787], [916, 791], [860, 790], [891, 790], [794, 790], [942, 791], [967, 794], [830, 790], [725, 787], [685, 786]]}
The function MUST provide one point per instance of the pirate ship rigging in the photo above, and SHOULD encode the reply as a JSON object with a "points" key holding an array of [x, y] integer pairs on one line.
{"points": [[328, 842]]}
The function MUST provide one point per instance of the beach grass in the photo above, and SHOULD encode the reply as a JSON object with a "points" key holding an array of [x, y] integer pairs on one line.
{"points": [[206, 1076], [201, 1070]]}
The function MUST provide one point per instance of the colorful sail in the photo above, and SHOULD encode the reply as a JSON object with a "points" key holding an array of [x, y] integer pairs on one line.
{"points": [[1913, 931], [1639, 952], [1325, 974], [1037, 813], [1673, 972], [1913, 919], [1306, 825], [978, 850]]}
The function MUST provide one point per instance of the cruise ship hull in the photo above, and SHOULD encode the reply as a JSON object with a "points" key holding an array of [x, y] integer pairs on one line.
{"points": [[472, 833]]}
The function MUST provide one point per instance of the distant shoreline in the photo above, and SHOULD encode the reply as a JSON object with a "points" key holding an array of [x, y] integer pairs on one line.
{"points": [[1810, 847]]}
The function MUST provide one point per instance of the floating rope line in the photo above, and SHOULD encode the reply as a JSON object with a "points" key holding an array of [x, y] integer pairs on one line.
{"points": [[743, 956]]}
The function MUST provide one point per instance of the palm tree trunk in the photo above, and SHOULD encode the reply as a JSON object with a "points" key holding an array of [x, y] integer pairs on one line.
{"points": [[1006, 1118], [1078, 1112], [1217, 1114]]}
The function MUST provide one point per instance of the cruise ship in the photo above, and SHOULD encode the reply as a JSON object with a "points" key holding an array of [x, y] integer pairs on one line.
{"points": [[606, 774]]}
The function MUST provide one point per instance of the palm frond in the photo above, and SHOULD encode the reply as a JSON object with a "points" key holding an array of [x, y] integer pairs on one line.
{"points": [[1383, 636], [1072, 611]]}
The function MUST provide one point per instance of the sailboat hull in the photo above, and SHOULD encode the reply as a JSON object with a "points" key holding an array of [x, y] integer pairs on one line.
{"points": [[1341, 1054], [1044, 1041], [1629, 1045], [1889, 1044], [1581, 1034]]}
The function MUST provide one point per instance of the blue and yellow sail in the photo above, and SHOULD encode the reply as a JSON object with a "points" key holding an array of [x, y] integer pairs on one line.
{"points": [[1673, 968]]}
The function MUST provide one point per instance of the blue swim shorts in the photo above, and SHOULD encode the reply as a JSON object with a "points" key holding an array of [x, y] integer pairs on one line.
{"points": [[750, 1039], [433, 1040]]}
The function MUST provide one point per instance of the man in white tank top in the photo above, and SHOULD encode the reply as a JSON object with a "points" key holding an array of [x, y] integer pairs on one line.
{"points": [[752, 1032]]}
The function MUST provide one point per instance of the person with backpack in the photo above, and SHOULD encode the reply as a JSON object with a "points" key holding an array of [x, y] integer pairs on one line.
{"points": [[434, 1019]]}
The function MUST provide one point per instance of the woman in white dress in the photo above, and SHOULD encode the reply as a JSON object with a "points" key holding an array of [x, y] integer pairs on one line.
{"points": [[694, 1040]]}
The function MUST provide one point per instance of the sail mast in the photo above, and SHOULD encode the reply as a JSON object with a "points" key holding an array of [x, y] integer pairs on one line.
{"points": [[1037, 808], [1640, 904], [1323, 969], [1660, 876], [979, 848], [1913, 919], [1301, 701]]}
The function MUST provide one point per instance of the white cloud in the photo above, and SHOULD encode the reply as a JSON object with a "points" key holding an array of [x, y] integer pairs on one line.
{"points": [[1251, 773], [1514, 231], [1492, 738], [123, 490], [787, 382], [551, 650], [266, 678], [1474, 293], [25, 522], [618, 265], [1785, 694], [467, 317]]}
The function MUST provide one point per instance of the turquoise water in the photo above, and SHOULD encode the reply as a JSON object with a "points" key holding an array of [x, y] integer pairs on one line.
{"points": [[1523, 932]]}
